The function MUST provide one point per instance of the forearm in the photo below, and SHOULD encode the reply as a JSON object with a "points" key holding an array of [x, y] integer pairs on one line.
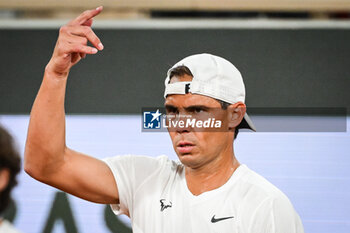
{"points": [[45, 144]]}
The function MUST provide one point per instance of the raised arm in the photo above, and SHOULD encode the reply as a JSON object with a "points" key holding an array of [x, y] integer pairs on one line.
{"points": [[47, 157]]}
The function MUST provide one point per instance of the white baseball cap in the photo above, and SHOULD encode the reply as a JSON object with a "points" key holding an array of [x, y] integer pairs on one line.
{"points": [[213, 76]]}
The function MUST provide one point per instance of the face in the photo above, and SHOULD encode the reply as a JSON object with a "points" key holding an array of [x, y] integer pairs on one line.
{"points": [[4, 178], [196, 147]]}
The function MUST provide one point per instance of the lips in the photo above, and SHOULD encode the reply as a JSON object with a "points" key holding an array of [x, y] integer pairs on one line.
{"points": [[185, 147]]}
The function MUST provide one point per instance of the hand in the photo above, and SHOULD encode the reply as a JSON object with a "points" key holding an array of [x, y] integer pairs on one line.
{"points": [[71, 45]]}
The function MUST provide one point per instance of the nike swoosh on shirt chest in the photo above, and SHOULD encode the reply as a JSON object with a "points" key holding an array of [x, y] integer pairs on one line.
{"points": [[214, 220]]}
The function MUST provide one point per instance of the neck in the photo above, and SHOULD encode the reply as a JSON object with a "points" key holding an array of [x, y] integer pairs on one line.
{"points": [[212, 175]]}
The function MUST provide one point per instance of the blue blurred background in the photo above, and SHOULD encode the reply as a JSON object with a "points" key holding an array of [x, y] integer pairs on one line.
{"points": [[311, 168]]}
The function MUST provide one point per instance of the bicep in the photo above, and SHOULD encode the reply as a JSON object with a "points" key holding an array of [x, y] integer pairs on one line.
{"points": [[85, 177]]}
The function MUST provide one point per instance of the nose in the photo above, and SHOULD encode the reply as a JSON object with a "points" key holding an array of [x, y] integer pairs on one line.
{"points": [[182, 130], [179, 123]]}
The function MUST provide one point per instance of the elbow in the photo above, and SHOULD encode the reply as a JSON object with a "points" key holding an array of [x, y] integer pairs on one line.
{"points": [[32, 163], [30, 169], [36, 172], [27, 166], [40, 164]]}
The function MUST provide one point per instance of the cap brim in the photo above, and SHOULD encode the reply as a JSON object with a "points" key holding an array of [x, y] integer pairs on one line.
{"points": [[247, 123]]}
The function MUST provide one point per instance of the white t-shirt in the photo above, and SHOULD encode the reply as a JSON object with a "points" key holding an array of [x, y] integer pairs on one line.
{"points": [[7, 227], [154, 193]]}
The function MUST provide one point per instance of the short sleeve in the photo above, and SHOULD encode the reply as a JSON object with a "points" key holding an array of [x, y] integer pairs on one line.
{"points": [[130, 172], [276, 215]]}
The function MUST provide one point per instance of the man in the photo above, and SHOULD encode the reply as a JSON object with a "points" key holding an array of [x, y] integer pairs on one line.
{"points": [[10, 165], [207, 191]]}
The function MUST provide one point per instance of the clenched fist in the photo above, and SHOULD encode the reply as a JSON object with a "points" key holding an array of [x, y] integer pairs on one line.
{"points": [[71, 45]]}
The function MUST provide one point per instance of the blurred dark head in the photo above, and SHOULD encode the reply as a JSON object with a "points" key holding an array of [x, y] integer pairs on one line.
{"points": [[10, 165]]}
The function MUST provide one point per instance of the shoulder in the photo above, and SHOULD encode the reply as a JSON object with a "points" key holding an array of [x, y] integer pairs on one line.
{"points": [[257, 193], [142, 164], [258, 186], [141, 159], [7, 227], [263, 204]]}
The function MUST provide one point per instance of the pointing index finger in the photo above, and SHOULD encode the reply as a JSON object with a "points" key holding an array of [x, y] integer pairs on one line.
{"points": [[86, 15]]}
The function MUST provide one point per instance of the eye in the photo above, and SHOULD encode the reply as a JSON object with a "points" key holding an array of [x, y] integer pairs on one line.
{"points": [[198, 110], [171, 110]]}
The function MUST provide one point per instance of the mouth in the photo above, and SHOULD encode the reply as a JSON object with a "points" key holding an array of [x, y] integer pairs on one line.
{"points": [[184, 147]]}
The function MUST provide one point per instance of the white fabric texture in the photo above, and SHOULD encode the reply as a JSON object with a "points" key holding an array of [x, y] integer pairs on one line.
{"points": [[7, 227], [176, 88], [249, 202]]}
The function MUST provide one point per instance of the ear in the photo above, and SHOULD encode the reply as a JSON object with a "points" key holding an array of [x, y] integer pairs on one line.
{"points": [[4, 178], [235, 114]]}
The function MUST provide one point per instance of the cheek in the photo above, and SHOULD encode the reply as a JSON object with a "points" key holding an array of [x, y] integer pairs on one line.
{"points": [[205, 141], [211, 141], [172, 136]]}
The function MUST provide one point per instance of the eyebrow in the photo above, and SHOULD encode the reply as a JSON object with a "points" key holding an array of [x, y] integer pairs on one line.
{"points": [[188, 108], [169, 106]]}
